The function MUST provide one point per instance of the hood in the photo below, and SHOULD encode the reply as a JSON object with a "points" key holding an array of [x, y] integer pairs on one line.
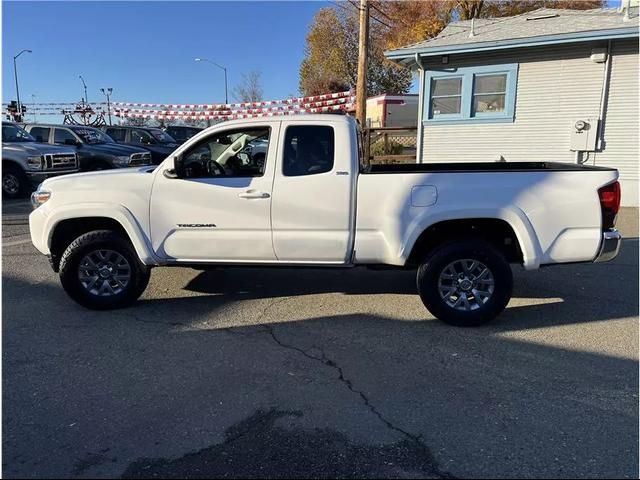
{"points": [[35, 148], [113, 148], [117, 178], [128, 188]]}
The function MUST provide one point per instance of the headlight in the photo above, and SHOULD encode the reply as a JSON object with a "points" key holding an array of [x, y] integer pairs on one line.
{"points": [[39, 197], [34, 163], [121, 161]]}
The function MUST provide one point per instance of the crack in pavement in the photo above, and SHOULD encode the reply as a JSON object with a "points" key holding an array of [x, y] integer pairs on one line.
{"points": [[416, 439]]}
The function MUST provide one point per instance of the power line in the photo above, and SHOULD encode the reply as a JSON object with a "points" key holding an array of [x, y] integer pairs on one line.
{"points": [[357, 7], [375, 7]]}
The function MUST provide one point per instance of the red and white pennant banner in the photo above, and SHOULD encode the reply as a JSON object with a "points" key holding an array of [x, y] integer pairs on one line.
{"points": [[230, 116], [230, 106], [302, 106]]}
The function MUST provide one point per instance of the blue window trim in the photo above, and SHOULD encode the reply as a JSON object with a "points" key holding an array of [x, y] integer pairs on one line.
{"points": [[468, 75]]}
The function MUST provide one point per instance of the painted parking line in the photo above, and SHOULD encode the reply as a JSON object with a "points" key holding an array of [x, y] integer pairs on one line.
{"points": [[16, 242]]}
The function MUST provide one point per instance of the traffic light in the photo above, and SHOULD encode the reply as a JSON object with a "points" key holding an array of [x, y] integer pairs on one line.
{"points": [[12, 108]]}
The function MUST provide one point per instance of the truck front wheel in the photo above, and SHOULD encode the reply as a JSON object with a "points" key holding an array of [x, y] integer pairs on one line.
{"points": [[14, 181], [465, 283], [100, 270]]}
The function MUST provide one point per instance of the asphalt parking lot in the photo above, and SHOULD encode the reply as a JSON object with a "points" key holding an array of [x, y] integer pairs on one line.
{"points": [[318, 373]]}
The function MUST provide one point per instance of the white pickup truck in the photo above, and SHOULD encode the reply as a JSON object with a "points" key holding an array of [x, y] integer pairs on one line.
{"points": [[313, 201]]}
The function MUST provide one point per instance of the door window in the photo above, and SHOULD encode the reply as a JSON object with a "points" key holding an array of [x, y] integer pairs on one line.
{"points": [[308, 150], [61, 136], [237, 153], [142, 137], [41, 134]]}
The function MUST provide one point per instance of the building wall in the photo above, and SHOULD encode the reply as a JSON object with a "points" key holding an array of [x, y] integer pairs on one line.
{"points": [[556, 86], [392, 111], [621, 125]]}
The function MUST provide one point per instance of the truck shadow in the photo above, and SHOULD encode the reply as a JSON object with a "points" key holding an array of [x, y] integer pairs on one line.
{"points": [[559, 295]]}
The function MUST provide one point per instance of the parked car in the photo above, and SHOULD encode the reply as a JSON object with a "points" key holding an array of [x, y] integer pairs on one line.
{"points": [[316, 202], [160, 144], [26, 163], [182, 133], [95, 149]]}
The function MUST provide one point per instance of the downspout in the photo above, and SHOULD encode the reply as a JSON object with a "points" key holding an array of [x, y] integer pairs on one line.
{"points": [[419, 131], [604, 97]]}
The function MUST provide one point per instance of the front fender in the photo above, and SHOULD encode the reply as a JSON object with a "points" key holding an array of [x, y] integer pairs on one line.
{"points": [[46, 222], [516, 218]]}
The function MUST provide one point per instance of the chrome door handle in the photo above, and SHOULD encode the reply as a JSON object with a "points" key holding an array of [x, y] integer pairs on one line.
{"points": [[253, 194]]}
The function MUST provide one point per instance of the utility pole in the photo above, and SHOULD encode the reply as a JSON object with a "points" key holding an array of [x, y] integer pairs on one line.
{"points": [[86, 99], [107, 92], [363, 50]]}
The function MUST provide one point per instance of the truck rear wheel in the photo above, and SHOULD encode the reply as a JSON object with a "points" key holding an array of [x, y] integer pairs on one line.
{"points": [[465, 283], [100, 270]]}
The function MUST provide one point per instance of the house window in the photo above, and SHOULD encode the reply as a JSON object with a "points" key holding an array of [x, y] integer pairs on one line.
{"points": [[446, 97], [471, 94], [489, 92]]}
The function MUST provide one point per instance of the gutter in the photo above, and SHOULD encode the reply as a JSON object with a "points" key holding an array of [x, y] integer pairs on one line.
{"points": [[420, 131], [604, 96]]}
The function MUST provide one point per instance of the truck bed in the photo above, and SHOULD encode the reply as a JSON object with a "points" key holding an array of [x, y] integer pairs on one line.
{"points": [[553, 208]]}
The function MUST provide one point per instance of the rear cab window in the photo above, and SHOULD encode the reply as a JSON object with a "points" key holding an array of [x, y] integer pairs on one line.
{"points": [[63, 136], [41, 134], [118, 134], [308, 150]]}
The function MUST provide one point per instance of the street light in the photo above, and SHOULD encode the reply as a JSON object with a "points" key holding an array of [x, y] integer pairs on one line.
{"points": [[226, 98], [33, 105], [106, 92], [86, 100], [15, 73]]}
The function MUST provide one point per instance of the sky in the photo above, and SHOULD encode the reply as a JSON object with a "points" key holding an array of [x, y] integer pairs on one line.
{"points": [[145, 50]]}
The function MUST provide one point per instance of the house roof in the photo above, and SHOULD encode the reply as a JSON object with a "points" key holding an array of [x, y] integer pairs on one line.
{"points": [[539, 27]]}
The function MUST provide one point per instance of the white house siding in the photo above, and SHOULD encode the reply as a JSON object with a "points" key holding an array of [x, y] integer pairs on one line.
{"points": [[556, 86]]}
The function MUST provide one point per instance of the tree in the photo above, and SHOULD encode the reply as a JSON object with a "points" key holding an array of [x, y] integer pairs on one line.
{"points": [[250, 88], [412, 21], [331, 57]]}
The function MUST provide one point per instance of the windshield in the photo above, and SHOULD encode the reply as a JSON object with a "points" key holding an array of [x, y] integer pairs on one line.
{"points": [[90, 135], [161, 136], [13, 133]]}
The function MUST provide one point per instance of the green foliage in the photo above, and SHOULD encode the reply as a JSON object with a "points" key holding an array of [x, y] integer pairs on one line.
{"points": [[393, 148]]}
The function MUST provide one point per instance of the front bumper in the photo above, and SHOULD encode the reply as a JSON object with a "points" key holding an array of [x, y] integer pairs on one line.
{"points": [[610, 245]]}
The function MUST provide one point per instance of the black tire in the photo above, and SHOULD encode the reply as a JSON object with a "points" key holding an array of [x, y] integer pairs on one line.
{"points": [[485, 310], [102, 240], [14, 181]]}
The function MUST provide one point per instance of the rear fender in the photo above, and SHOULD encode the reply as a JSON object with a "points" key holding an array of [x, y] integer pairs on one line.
{"points": [[516, 218]]}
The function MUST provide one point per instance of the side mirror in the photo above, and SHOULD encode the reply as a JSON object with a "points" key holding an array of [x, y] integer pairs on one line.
{"points": [[178, 168], [170, 173], [70, 141]]}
